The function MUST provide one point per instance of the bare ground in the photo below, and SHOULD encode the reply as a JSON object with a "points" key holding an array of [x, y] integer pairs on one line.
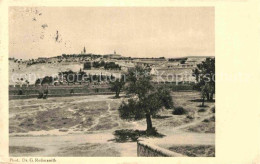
{"points": [[82, 122]]}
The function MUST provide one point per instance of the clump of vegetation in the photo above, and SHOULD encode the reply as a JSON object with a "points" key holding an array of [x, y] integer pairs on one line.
{"points": [[40, 95], [205, 77], [202, 110], [129, 135], [183, 61], [87, 66], [179, 111], [213, 109], [146, 100], [106, 65], [212, 119], [116, 86], [98, 64], [190, 117], [43, 94], [46, 80], [20, 92], [206, 126], [112, 65], [206, 120], [195, 151]]}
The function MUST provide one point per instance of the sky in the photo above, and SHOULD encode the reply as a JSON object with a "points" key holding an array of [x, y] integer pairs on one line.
{"points": [[131, 31]]}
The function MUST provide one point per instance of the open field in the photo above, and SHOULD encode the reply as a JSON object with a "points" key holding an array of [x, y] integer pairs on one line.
{"points": [[87, 125]]}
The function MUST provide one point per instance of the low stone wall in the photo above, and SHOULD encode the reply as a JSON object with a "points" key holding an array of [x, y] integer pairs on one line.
{"points": [[13, 97], [149, 150]]}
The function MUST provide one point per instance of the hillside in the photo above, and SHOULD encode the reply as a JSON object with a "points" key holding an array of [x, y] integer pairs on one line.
{"points": [[31, 73]]}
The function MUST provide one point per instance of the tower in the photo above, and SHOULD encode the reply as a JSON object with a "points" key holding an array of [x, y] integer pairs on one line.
{"points": [[84, 50]]}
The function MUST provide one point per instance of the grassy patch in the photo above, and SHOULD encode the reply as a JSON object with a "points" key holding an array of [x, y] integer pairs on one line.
{"points": [[89, 150], [206, 126], [195, 151], [23, 149]]}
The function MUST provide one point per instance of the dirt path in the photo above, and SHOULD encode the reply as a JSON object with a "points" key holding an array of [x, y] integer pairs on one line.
{"points": [[178, 128], [52, 145], [56, 140]]}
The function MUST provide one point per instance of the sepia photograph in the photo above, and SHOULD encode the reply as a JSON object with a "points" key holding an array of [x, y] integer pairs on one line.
{"points": [[111, 81]]}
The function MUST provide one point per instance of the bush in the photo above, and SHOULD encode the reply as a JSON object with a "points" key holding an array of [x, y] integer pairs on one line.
{"points": [[87, 65], [213, 109], [190, 117], [212, 119], [40, 95], [202, 110], [179, 111], [206, 120], [45, 96], [20, 92]]}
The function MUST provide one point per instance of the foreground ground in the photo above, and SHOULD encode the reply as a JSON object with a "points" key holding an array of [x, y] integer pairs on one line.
{"points": [[84, 126]]}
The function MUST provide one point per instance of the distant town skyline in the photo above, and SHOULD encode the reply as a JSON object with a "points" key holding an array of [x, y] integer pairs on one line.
{"points": [[169, 32]]}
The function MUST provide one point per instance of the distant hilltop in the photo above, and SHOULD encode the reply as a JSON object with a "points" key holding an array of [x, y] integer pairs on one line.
{"points": [[84, 56], [91, 56]]}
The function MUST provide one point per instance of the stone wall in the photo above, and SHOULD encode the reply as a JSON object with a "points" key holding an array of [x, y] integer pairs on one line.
{"points": [[145, 149]]}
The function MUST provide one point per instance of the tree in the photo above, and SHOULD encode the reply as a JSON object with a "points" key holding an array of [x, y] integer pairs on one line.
{"points": [[80, 76], [182, 61], [146, 101], [116, 86], [47, 80], [205, 78], [69, 76], [203, 95], [87, 66]]}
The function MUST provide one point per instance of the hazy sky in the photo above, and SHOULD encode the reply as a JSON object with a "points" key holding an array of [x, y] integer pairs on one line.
{"points": [[136, 32]]}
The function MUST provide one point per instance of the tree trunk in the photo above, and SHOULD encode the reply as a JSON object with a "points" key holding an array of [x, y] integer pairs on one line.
{"points": [[211, 96], [207, 96], [203, 99], [117, 94], [149, 123]]}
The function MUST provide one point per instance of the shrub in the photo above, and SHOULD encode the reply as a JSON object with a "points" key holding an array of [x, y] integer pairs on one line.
{"points": [[45, 96], [182, 61], [206, 120], [212, 119], [87, 65], [213, 109], [40, 95], [179, 111], [20, 92], [190, 117], [202, 110]]}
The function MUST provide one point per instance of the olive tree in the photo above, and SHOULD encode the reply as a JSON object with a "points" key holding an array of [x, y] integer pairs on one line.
{"points": [[146, 100]]}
